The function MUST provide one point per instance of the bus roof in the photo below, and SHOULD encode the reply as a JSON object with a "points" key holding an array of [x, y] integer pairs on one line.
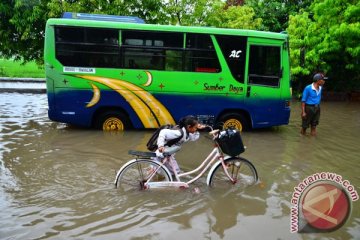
{"points": [[102, 17], [165, 28]]}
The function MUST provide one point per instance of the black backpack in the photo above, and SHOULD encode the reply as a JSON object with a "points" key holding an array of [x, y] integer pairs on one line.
{"points": [[152, 143]]}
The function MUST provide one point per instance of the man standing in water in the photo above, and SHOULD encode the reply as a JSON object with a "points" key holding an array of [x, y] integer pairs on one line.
{"points": [[310, 104]]}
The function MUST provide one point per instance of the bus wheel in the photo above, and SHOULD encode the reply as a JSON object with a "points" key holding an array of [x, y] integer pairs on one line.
{"points": [[234, 120], [112, 121]]}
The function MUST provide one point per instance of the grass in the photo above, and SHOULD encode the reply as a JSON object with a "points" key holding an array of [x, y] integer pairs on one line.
{"points": [[11, 68]]}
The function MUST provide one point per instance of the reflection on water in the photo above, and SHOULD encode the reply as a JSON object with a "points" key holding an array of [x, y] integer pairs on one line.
{"points": [[57, 182]]}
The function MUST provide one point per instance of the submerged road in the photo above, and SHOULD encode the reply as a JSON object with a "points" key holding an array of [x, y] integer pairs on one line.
{"points": [[57, 181]]}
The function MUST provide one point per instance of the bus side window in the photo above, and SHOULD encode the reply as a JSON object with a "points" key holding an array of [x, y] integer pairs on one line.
{"points": [[265, 65], [151, 50], [87, 47], [200, 54]]}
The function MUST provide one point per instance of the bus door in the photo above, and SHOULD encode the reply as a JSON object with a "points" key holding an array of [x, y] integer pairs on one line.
{"points": [[263, 79]]}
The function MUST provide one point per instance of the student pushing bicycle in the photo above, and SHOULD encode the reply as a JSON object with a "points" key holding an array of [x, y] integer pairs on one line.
{"points": [[159, 169], [187, 130]]}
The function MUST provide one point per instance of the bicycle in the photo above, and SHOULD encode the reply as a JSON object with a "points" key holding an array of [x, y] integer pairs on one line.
{"points": [[227, 168]]}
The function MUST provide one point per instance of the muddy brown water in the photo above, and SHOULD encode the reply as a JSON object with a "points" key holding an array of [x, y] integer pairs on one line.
{"points": [[56, 182]]}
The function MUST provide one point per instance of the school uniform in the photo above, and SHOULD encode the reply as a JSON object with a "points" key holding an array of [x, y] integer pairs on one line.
{"points": [[168, 134]]}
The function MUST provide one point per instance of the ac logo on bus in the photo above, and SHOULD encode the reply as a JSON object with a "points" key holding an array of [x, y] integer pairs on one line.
{"points": [[235, 54]]}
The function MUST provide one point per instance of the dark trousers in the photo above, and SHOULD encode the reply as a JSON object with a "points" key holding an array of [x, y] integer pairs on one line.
{"points": [[312, 116]]}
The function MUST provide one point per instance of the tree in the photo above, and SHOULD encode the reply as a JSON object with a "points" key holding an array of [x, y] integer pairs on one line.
{"points": [[275, 13], [298, 31], [190, 12], [22, 29], [241, 17], [327, 39]]}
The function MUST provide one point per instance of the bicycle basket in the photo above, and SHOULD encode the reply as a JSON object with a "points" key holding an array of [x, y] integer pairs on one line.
{"points": [[230, 142]]}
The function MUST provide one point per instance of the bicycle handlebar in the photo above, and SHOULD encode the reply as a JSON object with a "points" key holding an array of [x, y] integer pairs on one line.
{"points": [[214, 133]]}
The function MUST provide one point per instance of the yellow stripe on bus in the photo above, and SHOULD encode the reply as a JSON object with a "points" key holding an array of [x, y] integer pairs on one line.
{"points": [[161, 112], [141, 109]]}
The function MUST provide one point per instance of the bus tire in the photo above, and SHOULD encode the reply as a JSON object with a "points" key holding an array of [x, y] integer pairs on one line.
{"points": [[112, 121], [234, 120]]}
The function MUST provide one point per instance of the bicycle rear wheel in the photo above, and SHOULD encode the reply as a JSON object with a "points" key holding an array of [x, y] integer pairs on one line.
{"points": [[135, 173], [242, 171]]}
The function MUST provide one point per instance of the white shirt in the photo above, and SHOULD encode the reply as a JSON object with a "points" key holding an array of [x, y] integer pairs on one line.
{"points": [[316, 90], [168, 134]]}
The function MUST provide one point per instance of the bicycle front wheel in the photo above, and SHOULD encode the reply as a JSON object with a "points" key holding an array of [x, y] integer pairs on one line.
{"points": [[134, 174], [242, 172]]}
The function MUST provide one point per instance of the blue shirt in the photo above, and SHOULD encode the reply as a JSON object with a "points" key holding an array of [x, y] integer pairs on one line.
{"points": [[311, 95]]}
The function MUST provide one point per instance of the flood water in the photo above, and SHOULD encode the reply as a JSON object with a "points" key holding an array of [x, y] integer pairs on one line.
{"points": [[56, 182]]}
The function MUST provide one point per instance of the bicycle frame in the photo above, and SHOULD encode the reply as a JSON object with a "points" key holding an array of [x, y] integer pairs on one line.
{"points": [[215, 155]]}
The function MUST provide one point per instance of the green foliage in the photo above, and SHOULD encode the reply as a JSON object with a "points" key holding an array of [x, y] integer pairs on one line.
{"points": [[22, 29], [327, 39], [275, 14], [242, 17], [298, 44], [190, 12]]}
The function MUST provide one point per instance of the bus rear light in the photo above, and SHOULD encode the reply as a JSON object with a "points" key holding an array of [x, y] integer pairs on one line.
{"points": [[203, 69]]}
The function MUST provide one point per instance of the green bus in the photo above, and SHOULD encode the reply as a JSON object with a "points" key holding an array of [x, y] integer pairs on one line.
{"points": [[117, 73]]}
